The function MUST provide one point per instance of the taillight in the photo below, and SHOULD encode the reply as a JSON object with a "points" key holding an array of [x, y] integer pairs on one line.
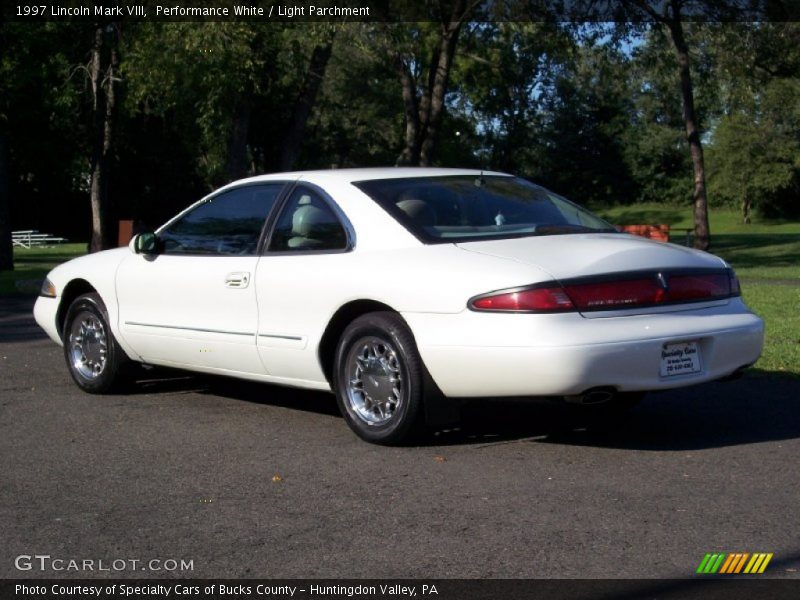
{"points": [[541, 299], [698, 287], [613, 293], [734, 283]]}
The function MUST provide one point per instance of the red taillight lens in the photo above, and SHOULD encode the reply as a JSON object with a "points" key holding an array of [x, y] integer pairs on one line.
{"points": [[651, 289], [615, 294], [538, 300], [734, 283], [698, 287]]}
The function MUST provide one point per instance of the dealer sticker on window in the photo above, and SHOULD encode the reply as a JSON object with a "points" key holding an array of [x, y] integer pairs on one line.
{"points": [[680, 359]]}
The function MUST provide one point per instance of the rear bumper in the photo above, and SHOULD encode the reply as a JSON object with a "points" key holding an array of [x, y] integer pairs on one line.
{"points": [[489, 354]]}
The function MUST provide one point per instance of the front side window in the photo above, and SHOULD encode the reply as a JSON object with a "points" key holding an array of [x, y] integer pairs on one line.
{"points": [[465, 208], [228, 224], [307, 222]]}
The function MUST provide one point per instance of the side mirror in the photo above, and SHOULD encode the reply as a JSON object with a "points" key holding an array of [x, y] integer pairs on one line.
{"points": [[145, 243]]}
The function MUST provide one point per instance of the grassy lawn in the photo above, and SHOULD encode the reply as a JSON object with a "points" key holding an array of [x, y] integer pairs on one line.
{"points": [[31, 266], [778, 306], [761, 250]]}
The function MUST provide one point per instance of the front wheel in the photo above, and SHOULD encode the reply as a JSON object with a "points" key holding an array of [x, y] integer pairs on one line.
{"points": [[378, 378], [93, 357]]}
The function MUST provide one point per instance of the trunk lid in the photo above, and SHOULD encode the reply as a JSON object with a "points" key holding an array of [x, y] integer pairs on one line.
{"points": [[580, 255]]}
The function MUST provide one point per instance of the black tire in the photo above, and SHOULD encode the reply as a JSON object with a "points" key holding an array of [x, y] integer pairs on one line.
{"points": [[377, 350], [95, 364]]}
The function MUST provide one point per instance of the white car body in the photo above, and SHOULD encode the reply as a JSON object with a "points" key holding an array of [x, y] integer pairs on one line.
{"points": [[263, 317]]}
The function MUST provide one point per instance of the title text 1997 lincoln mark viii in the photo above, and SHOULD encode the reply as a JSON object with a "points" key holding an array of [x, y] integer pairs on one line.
{"points": [[400, 290]]}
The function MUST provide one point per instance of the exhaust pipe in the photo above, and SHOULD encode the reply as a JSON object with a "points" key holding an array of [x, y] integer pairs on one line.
{"points": [[737, 374], [598, 395]]}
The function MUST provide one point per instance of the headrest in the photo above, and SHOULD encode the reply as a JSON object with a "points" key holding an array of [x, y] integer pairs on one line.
{"points": [[418, 210], [308, 218]]}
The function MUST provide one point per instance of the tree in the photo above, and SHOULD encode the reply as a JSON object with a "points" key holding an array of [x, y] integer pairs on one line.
{"points": [[754, 164], [424, 102], [754, 155], [505, 77], [670, 17], [103, 73], [586, 119], [307, 96], [6, 245], [7, 70], [38, 144]]}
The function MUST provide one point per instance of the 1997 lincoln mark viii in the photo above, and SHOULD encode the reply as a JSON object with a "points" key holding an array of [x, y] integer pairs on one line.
{"points": [[401, 289]]}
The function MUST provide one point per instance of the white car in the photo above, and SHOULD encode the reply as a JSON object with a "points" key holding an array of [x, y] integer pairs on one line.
{"points": [[401, 290]]}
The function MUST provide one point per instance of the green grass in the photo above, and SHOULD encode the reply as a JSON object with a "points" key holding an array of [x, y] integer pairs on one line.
{"points": [[778, 306], [721, 220], [32, 265], [764, 249]]}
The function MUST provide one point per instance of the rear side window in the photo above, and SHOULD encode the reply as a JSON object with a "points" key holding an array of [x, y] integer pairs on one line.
{"points": [[308, 223], [228, 224]]}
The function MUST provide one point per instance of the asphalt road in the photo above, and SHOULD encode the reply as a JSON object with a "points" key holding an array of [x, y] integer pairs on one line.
{"points": [[252, 480]]}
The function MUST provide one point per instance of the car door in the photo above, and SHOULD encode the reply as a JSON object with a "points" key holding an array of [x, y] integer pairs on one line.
{"points": [[307, 259], [193, 304]]}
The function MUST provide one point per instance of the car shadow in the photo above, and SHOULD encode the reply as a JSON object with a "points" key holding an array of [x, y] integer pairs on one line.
{"points": [[157, 380], [760, 407], [757, 408], [16, 320]]}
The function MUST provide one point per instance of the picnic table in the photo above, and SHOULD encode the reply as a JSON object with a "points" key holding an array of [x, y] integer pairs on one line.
{"points": [[657, 232]]}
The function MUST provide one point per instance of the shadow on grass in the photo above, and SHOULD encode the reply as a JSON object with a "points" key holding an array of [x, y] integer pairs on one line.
{"points": [[758, 250], [644, 216], [761, 407]]}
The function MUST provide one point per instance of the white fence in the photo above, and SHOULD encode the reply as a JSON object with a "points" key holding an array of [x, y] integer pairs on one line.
{"points": [[28, 238]]}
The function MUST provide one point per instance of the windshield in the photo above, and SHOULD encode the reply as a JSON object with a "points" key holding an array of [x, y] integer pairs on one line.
{"points": [[465, 208]]}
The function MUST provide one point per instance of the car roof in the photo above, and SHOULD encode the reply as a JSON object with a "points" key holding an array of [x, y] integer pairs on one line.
{"points": [[352, 175]]}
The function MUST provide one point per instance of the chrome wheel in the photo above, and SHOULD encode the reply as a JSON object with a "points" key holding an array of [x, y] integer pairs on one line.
{"points": [[88, 345], [375, 386]]}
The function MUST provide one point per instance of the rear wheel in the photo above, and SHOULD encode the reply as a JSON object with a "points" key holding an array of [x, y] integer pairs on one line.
{"points": [[378, 378], [94, 358]]}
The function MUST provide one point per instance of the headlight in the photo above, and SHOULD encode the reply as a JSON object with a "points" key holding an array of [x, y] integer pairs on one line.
{"points": [[48, 289]]}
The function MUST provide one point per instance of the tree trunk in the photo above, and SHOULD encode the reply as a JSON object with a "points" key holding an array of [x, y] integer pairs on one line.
{"points": [[701, 229], [438, 88], [103, 113], [293, 142], [410, 154], [236, 159], [746, 206], [6, 246], [424, 115], [98, 172]]}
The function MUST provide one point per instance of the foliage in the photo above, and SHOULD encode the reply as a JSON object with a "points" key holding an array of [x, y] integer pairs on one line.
{"points": [[755, 154], [590, 110]]}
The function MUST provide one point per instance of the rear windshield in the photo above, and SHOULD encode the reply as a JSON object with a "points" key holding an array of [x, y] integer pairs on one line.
{"points": [[465, 208]]}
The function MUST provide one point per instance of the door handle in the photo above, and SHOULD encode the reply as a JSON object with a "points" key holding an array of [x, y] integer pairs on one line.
{"points": [[237, 280]]}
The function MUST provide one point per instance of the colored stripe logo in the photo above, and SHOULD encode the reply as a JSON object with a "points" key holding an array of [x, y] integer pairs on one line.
{"points": [[734, 563]]}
